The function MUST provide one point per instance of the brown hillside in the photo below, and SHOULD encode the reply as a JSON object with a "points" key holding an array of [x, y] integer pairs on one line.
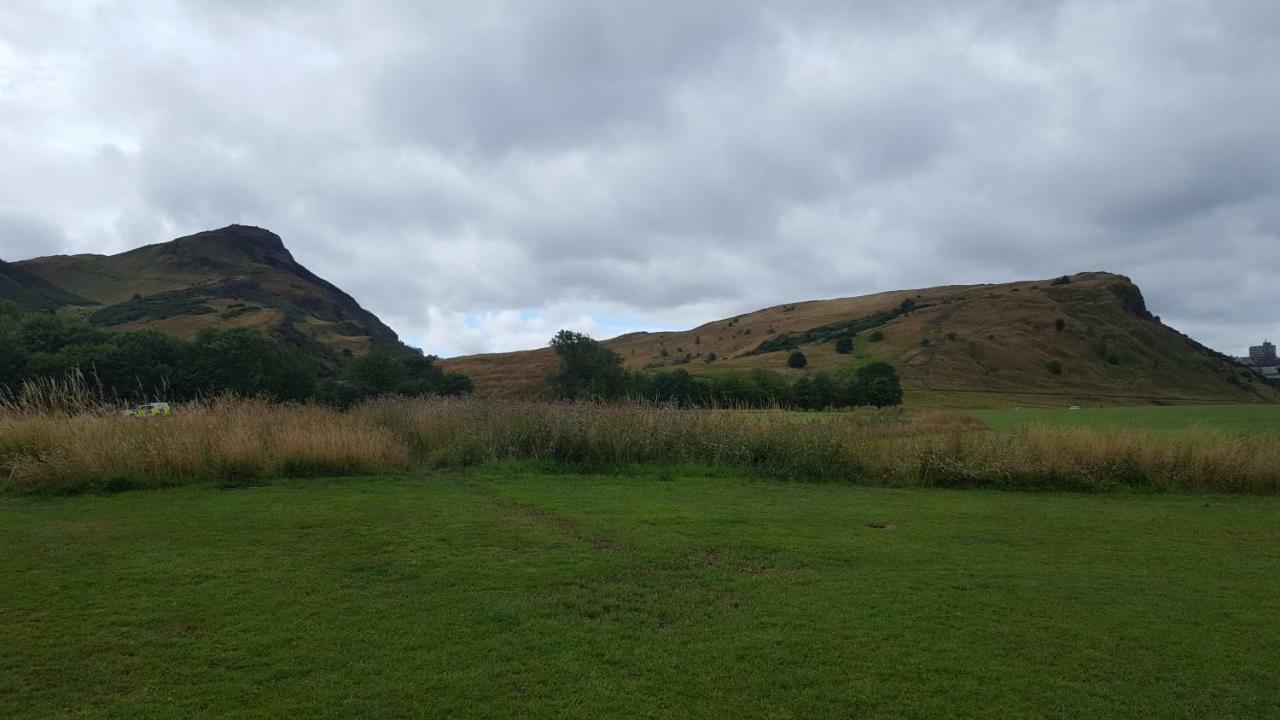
{"points": [[235, 276], [973, 345]]}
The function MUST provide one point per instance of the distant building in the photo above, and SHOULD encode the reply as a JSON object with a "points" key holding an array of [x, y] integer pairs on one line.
{"points": [[1263, 355]]}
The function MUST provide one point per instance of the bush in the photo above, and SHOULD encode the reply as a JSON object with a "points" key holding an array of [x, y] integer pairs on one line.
{"points": [[876, 336], [797, 360], [1054, 367], [1059, 324], [844, 345]]}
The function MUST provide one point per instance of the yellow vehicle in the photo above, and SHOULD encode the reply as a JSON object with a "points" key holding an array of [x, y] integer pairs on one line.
{"points": [[149, 410]]}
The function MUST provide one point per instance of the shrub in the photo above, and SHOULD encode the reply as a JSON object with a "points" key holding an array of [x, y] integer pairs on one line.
{"points": [[844, 345], [1064, 280], [1054, 367], [1059, 324], [876, 336], [797, 360]]}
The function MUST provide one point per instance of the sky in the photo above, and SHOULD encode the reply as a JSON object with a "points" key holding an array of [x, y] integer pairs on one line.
{"points": [[480, 174]]}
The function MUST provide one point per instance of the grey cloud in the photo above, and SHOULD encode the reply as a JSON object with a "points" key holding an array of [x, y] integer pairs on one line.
{"points": [[441, 159]]}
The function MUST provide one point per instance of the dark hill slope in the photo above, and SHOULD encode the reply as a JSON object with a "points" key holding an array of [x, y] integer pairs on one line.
{"points": [[973, 345], [235, 276], [31, 292]]}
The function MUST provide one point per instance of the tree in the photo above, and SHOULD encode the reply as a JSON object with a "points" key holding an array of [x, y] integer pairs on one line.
{"points": [[1054, 367], [1059, 324], [825, 391], [876, 336], [806, 397], [587, 368], [879, 384], [241, 361], [797, 360], [377, 372], [844, 345]]}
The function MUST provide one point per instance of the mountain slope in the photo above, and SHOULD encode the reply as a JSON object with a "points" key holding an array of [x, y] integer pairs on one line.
{"points": [[235, 276], [975, 345], [32, 293]]}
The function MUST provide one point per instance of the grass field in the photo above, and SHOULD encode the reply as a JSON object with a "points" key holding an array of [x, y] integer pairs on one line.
{"points": [[510, 591], [1224, 418]]}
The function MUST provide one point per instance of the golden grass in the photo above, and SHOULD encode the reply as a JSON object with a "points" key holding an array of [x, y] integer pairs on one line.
{"points": [[47, 447], [233, 440]]}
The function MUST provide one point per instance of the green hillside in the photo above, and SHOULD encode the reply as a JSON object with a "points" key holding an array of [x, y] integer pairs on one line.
{"points": [[32, 293], [238, 276]]}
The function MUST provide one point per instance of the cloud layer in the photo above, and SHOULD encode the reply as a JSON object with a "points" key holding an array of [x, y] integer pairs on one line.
{"points": [[481, 173]]}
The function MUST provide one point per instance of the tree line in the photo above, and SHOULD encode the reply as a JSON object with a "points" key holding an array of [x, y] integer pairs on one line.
{"points": [[589, 370], [150, 365]]}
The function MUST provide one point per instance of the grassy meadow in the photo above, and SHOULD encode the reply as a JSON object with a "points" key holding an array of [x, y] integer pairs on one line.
{"points": [[529, 559], [523, 591]]}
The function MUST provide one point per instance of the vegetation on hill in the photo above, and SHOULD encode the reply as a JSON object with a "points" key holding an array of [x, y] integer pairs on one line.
{"points": [[32, 293], [588, 370], [38, 348]]}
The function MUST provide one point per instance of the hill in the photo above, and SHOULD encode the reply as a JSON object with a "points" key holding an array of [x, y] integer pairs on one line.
{"points": [[32, 293], [236, 276], [970, 345]]}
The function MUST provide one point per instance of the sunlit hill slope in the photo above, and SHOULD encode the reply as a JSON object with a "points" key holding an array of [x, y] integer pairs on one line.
{"points": [[970, 345]]}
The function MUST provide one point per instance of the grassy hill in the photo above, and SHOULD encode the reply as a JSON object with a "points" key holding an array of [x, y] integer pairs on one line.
{"points": [[235, 276], [970, 345], [32, 293]]}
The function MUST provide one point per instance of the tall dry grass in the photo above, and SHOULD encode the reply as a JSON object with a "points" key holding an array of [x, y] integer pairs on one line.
{"points": [[233, 440], [49, 446]]}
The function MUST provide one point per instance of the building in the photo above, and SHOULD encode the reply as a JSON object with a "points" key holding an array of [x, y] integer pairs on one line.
{"points": [[1263, 355]]}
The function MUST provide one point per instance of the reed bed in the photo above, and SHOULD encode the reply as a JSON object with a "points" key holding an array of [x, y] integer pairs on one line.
{"points": [[53, 445]]}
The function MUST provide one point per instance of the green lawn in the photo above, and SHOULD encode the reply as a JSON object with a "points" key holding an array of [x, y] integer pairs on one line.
{"points": [[1228, 418], [509, 592]]}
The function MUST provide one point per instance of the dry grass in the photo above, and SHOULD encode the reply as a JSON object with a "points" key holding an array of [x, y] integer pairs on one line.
{"points": [[234, 440], [46, 445]]}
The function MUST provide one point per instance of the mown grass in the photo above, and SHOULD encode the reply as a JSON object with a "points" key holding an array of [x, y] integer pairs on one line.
{"points": [[506, 592], [56, 450], [1214, 418]]}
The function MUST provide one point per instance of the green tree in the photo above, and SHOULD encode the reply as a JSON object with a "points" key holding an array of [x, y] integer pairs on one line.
{"points": [[844, 345], [797, 360], [587, 368], [378, 372], [879, 384]]}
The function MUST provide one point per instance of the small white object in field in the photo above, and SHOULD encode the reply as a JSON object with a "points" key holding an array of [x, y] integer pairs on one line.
{"points": [[1074, 407]]}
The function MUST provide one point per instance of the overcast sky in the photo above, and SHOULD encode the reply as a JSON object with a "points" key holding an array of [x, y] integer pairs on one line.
{"points": [[480, 174]]}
